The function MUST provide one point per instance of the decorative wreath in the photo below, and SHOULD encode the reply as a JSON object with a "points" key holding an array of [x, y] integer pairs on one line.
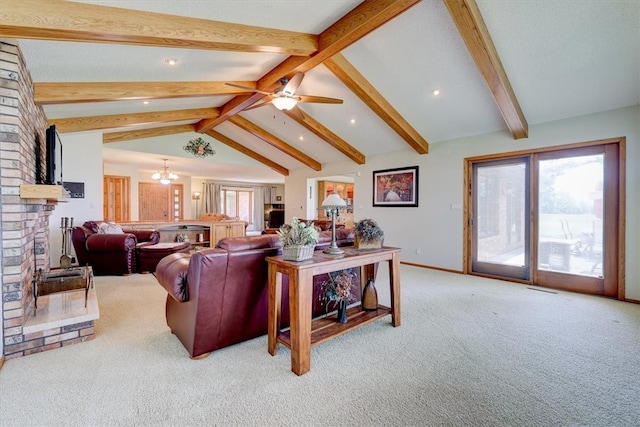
{"points": [[199, 148]]}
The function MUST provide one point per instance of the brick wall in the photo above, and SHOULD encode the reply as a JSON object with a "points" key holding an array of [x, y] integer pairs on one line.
{"points": [[24, 223]]}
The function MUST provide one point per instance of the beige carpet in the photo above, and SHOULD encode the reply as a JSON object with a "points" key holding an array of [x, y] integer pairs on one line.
{"points": [[470, 351]]}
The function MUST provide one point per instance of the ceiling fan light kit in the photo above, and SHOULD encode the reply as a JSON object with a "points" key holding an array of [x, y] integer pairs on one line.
{"points": [[284, 102], [165, 177]]}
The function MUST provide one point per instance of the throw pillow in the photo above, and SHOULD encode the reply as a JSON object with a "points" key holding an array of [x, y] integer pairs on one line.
{"points": [[110, 228]]}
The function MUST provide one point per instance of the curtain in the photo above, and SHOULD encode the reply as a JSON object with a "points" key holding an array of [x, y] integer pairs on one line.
{"points": [[259, 200], [262, 195], [211, 197]]}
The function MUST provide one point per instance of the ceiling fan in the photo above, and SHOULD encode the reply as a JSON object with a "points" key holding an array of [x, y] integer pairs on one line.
{"points": [[284, 97]]}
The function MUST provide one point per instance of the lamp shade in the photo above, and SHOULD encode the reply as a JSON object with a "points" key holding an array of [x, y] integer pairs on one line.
{"points": [[333, 201]]}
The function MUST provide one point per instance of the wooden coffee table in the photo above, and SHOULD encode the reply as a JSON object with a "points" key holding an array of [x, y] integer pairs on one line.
{"points": [[304, 332]]}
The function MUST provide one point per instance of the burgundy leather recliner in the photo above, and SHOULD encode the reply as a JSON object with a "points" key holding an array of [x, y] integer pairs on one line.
{"points": [[110, 254], [218, 297]]}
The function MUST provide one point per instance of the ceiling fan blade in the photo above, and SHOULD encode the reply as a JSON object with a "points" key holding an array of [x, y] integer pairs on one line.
{"points": [[297, 112], [258, 104], [319, 99], [293, 84], [249, 89]]}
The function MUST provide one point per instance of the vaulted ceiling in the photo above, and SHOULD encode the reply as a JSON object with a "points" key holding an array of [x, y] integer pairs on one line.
{"points": [[499, 66]]}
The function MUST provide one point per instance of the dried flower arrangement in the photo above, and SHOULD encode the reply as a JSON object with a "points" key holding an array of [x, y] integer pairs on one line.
{"points": [[199, 148], [368, 230], [338, 286], [298, 233]]}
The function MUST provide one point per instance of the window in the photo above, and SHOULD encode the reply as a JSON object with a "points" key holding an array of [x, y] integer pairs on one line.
{"points": [[237, 202]]}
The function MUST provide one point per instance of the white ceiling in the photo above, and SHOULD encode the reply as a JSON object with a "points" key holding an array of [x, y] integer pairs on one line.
{"points": [[563, 59]]}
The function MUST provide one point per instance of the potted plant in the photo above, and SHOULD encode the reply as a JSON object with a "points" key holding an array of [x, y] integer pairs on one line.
{"points": [[368, 234], [298, 240]]}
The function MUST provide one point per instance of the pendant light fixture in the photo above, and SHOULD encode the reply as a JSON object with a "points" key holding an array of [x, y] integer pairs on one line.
{"points": [[165, 177]]}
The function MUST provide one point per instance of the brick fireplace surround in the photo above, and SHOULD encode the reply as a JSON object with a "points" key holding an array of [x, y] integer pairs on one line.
{"points": [[24, 223]]}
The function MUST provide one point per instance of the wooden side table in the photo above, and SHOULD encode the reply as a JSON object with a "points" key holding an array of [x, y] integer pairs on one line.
{"points": [[304, 332]]}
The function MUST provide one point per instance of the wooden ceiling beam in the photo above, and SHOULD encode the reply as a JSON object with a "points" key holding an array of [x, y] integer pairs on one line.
{"points": [[474, 32], [327, 135], [229, 110], [244, 150], [360, 86], [359, 22], [75, 92], [146, 133], [80, 22], [83, 124], [275, 142]]}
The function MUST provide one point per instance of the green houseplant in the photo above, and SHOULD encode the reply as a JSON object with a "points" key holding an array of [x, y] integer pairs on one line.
{"points": [[298, 240], [368, 234]]}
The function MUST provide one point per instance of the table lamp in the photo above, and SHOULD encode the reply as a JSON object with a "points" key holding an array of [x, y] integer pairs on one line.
{"points": [[332, 204]]}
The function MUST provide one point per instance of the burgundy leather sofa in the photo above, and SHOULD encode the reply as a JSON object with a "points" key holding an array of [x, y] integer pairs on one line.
{"points": [[218, 297], [110, 254]]}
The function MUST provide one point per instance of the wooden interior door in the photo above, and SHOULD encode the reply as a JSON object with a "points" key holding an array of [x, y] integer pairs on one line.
{"points": [[116, 198], [154, 202]]}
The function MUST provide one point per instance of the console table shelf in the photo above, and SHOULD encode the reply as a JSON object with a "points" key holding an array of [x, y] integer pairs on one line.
{"points": [[325, 328]]}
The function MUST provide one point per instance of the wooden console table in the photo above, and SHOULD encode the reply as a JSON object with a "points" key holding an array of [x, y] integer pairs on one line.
{"points": [[305, 332]]}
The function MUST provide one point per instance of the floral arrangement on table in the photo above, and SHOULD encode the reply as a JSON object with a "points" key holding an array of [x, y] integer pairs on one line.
{"points": [[199, 148], [298, 233], [298, 239], [368, 231], [338, 288]]}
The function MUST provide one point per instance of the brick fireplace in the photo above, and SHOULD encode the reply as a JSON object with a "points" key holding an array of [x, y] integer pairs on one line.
{"points": [[24, 223]]}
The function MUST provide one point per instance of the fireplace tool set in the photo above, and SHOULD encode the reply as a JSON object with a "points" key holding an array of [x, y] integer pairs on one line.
{"points": [[66, 225]]}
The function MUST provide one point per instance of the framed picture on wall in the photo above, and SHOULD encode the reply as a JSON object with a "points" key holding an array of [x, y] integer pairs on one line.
{"points": [[396, 187]]}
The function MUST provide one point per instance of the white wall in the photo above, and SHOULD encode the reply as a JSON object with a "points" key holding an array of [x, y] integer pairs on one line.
{"points": [[433, 228], [81, 162]]}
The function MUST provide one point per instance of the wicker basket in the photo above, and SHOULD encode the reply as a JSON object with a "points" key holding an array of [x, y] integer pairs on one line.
{"points": [[297, 252]]}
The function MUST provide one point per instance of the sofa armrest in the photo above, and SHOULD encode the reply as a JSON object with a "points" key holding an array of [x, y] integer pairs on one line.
{"points": [[110, 242], [145, 236], [171, 273]]}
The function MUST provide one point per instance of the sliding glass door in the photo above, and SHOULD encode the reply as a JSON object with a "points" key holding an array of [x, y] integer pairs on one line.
{"points": [[550, 218], [577, 211], [500, 218]]}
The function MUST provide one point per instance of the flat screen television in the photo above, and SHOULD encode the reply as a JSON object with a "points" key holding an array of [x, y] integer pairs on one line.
{"points": [[53, 157]]}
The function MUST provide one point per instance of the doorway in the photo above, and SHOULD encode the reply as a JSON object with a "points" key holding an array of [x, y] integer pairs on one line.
{"points": [[550, 217], [116, 198]]}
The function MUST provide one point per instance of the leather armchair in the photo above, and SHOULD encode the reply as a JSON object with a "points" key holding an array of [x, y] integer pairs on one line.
{"points": [[110, 254]]}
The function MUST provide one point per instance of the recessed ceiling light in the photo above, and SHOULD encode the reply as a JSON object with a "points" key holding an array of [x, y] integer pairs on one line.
{"points": [[145, 102], [353, 121], [171, 61], [301, 138], [436, 92]]}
